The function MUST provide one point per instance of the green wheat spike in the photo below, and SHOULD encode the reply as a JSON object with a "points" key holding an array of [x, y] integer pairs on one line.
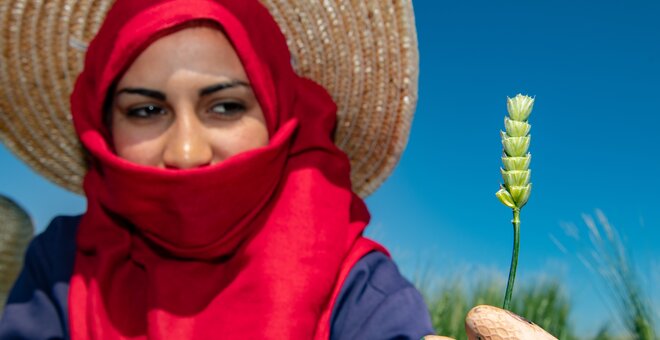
{"points": [[515, 191]]}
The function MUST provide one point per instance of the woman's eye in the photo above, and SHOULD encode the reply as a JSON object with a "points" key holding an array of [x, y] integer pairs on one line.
{"points": [[228, 109], [145, 111]]}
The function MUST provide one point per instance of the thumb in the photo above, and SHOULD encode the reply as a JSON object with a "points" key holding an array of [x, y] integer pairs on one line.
{"points": [[488, 322]]}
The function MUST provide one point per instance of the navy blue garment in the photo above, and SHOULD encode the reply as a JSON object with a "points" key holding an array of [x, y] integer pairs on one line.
{"points": [[375, 302]]}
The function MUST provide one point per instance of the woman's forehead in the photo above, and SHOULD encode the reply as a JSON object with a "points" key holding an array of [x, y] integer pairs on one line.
{"points": [[203, 51]]}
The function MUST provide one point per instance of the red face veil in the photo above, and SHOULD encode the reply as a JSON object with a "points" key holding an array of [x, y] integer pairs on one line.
{"points": [[254, 247]]}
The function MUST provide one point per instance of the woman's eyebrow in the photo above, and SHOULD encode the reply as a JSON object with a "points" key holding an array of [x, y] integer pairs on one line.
{"points": [[203, 92], [143, 92], [221, 86]]}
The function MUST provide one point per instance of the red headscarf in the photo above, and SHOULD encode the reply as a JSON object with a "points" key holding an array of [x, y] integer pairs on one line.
{"points": [[255, 247]]}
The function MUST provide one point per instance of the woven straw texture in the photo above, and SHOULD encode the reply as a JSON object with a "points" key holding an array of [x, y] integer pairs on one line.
{"points": [[15, 233], [364, 52]]}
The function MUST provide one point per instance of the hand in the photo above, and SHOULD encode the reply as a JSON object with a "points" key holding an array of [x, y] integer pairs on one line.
{"points": [[492, 323]]}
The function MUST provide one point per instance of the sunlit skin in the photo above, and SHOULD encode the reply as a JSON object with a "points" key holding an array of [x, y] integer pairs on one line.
{"points": [[186, 103]]}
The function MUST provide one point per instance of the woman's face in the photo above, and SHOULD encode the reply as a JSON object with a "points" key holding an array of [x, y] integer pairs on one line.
{"points": [[186, 102]]}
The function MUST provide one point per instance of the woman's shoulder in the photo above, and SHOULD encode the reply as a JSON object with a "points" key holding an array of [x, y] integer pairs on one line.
{"points": [[62, 229], [377, 302], [50, 255], [37, 305], [48, 259], [56, 247]]}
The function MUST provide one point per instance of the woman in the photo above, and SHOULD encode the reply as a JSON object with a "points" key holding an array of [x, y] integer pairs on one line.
{"points": [[218, 203]]}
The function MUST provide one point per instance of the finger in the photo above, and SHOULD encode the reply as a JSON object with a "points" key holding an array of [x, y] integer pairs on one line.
{"points": [[436, 337], [492, 323]]}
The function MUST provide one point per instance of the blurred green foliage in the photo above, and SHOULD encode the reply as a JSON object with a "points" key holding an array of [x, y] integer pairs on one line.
{"points": [[544, 301]]}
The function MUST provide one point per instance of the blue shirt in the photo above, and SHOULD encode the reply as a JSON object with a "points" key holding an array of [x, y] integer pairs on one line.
{"points": [[375, 302]]}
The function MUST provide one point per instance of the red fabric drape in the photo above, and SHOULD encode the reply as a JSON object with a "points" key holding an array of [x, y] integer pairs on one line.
{"points": [[254, 247]]}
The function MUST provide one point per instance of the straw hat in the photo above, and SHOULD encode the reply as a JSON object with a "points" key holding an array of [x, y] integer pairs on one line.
{"points": [[364, 52]]}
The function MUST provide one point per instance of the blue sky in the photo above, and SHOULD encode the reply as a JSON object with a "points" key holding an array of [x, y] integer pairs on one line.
{"points": [[594, 67]]}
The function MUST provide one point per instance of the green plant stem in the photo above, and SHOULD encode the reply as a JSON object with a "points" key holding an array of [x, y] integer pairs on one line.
{"points": [[514, 258]]}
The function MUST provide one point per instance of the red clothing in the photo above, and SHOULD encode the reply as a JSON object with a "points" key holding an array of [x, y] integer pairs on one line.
{"points": [[375, 302], [265, 238]]}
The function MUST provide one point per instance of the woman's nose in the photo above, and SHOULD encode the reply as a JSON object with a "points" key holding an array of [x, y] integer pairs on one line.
{"points": [[186, 145]]}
